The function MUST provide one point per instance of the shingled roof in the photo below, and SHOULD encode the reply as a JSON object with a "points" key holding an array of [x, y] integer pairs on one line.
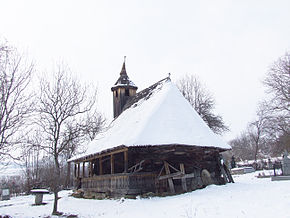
{"points": [[158, 115]]}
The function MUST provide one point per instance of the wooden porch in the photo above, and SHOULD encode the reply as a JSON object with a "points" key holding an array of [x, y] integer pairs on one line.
{"points": [[120, 184], [139, 170]]}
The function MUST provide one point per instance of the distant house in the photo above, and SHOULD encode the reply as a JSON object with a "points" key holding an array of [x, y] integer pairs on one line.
{"points": [[156, 143]]}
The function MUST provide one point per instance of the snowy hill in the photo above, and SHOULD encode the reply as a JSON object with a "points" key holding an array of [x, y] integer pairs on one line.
{"points": [[248, 197]]}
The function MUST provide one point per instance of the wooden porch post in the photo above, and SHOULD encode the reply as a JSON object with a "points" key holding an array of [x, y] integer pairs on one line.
{"points": [[90, 169], [170, 181], [100, 166], [183, 180], [84, 169], [112, 164], [75, 170], [126, 161], [79, 167]]}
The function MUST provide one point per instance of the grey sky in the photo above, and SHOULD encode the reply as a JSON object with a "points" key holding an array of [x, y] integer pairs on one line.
{"points": [[228, 44]]}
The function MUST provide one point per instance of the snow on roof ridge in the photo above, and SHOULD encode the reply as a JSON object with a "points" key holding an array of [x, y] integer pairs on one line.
{"points": [[145, 92]]}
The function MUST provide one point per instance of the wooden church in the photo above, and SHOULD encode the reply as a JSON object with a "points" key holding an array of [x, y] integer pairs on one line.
{"points": [[157, 143]]}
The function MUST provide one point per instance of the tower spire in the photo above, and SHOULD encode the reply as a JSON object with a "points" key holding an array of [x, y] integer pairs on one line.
{"points": [[123, 71], [122, 90]]}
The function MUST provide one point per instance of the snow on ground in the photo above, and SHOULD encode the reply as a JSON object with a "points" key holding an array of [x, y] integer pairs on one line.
{"points": [[248, 197]]}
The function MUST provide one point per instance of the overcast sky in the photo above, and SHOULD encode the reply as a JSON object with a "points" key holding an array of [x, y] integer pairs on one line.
{"points": [[229, 45]]}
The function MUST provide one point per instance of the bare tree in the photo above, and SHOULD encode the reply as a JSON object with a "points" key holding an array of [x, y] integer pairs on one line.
{"points": [[277, 83], [202, 101], [242, 147], [16, 107], [62, 104], [92, 124], [86, 130], [257, 128], [31, 168], [269, 134]]}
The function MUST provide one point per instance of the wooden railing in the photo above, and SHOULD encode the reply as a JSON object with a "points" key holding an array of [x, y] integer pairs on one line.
{"points": [[122, 183]]}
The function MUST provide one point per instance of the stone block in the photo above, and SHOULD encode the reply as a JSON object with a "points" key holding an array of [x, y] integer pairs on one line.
{"points": [[5, 194]]}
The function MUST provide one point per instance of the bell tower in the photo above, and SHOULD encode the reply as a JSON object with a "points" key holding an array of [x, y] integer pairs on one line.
{"points": [[122, 90]]}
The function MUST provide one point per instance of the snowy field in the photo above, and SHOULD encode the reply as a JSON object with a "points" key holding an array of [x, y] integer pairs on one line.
{"points": [[248, 197]]}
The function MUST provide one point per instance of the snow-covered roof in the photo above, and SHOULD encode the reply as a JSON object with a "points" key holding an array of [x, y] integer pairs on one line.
{"points": [[158, 115]]}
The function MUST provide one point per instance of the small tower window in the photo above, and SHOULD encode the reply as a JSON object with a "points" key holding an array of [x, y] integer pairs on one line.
{"points": [[126, 92], [116, 93]]}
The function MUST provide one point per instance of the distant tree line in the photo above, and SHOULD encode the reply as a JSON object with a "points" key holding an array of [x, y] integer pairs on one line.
{"points": [[269, 134], [48, 120]]}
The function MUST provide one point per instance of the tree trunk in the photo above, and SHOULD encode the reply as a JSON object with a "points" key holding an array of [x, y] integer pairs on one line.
{"points": [[255, 157], [68, 176], [55, 212], [56, 185]]}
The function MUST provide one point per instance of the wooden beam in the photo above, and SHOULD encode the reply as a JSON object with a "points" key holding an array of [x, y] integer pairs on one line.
{"points": [[183, 180], [137, 167], [224, 174], [100, 166], [176, 175], [84, 169], [228, 173], [186, 176], [170, 181], [79, 168], [75, 171], [112, 164], [126, 161], [96, 156], [91, 169]]}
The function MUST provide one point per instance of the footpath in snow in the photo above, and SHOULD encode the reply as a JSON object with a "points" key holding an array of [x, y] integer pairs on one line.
{"points": [[248, 197]]}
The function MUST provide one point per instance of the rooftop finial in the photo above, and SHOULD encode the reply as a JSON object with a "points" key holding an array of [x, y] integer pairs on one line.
{"points": [[169, 74], [124, 59]]}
